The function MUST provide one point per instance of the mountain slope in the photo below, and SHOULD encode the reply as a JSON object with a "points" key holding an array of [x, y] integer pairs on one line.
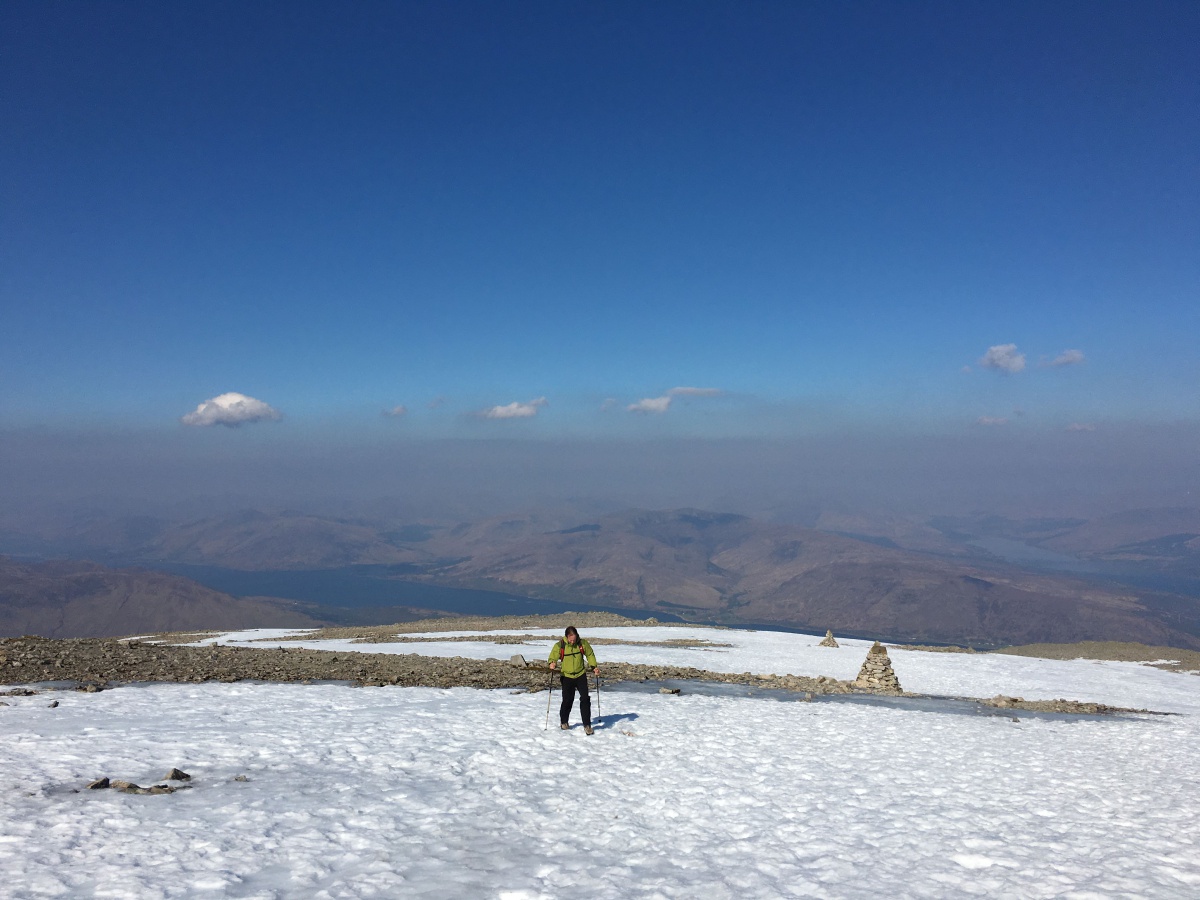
{"points": [[81, 599], [726, 568]]}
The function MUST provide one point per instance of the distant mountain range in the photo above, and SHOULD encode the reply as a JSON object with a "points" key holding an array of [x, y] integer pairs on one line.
{"points": [[861, 574], [80, 599], [725, 568]]}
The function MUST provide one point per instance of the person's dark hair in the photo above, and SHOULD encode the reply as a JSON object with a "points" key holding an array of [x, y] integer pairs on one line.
{"points": [[572, 630]]}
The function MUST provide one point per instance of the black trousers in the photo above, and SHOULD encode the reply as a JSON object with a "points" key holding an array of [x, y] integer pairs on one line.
{"points": [[569, 687]]}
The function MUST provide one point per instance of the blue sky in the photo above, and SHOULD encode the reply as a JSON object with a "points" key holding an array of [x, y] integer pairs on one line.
{"points": [[827, 213]]}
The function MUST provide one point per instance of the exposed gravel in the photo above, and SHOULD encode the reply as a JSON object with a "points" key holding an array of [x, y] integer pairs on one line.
{"points": [[96, 663], [1171, 658], [100, 662]]}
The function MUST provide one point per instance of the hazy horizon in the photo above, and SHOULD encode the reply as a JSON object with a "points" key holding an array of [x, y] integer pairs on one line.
{"points": [[54, 474]]}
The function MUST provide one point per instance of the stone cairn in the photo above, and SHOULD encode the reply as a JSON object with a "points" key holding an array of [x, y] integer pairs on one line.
{"points": [[876, 672], [829, 640]]}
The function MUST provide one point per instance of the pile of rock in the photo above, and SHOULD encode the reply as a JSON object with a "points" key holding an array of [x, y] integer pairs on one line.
{"points": [[128, 787], [876, 673], [829, 640]]}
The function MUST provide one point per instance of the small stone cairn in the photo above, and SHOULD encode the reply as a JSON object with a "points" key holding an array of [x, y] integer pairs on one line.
{"points": [[829, 639], [876, 672]]}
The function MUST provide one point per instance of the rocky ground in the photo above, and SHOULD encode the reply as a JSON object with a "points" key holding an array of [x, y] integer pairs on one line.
{"points": [[97, 663], [1170, 658]]}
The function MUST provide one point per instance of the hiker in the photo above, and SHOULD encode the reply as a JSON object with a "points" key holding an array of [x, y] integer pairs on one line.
{"points": [[571, 656]]}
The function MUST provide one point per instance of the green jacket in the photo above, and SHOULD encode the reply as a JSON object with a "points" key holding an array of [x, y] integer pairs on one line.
{"points": [[570, 657]]}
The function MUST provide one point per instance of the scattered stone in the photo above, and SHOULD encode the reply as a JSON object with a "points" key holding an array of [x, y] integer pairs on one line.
{"points": [[829, 639], [128, 787], [667, 690], [98, 785], [876, 673], [53, 704], [177, 775], [240, 778], [1006, 702], [518, 660], [96, 664]]}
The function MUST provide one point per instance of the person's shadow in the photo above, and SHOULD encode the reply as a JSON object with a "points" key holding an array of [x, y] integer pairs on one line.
{"points": [[611, 720]]}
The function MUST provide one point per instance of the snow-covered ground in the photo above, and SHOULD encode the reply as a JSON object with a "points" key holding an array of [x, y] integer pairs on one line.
{"points": [[421, 792]]}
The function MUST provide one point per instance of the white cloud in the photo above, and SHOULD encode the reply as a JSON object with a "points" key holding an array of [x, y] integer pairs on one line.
{"points": [[437, 403], [609, 403], [660, 405], [1005, 357], [1081, 426], [651, 405], [515, 410], [1067, 358], [231, 410], [396, 412], [991, 420]]}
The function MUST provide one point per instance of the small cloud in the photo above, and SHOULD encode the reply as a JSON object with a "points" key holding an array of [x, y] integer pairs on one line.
{"points": [[230, 410], [609, 403], [660, 405], [651, 405], [1081, 426], [966, 370], [991, 420], [1004, 357], [436, 402], [515, 410], [396, 412], [1066, 358]]}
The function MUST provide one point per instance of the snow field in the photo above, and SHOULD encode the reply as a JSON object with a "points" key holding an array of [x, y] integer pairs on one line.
{"points": [[420, 792], [781, 653]]}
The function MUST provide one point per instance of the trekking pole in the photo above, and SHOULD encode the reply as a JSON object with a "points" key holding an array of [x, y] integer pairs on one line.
{"points": [[598, 696], [549, 698]]}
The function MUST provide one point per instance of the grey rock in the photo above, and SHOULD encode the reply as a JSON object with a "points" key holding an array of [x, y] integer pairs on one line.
{"points": [[876, 672], [240, 778], [98, 785], [53, 704], [829, 640], [666, 690], [177, 775], [518, 660]]}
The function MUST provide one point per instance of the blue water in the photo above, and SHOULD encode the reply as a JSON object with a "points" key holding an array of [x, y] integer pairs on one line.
{"points": [[1037, 558], [364, 587]]}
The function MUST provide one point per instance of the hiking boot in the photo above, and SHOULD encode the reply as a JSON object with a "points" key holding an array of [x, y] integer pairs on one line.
{"points": [[587, 729], [564, 726]]}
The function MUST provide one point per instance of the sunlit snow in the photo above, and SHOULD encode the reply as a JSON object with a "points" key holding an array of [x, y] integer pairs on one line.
{"points": [[422, 792]]}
